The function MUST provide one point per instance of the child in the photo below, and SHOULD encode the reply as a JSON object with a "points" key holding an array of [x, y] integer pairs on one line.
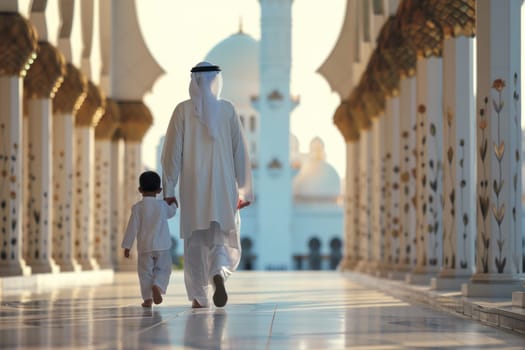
{"points": [[149, 224]]}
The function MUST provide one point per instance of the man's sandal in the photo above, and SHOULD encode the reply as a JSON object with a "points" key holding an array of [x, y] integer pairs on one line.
{"points": [[219, 297]]}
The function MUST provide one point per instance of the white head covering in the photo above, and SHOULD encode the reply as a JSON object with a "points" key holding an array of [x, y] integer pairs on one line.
{"points": [[205, 89]]}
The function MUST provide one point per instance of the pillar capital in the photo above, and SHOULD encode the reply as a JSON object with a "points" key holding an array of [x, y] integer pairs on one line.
{"points": [[91, 110], [395, 47], [18, 44], [136, 119], [371, 94], [384, 73], [455, 17], [420, 29], [46, 73], [109, 122], [362, 120], [345, 123], [72, 92]]}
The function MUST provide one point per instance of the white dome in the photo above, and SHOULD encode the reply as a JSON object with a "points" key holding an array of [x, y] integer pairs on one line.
{"points": [[238, 57], [317, 179]]}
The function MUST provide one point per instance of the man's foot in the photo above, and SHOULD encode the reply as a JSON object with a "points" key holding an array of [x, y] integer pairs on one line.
{"points": [[157, 297], [195, 304], [219, 297], [147, 303]]}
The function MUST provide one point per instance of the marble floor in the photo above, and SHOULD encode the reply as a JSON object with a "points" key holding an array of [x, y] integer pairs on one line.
{"points": [[266, 310]]}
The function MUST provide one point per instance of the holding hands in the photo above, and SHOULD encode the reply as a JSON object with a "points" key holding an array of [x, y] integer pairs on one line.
{"points": [[241, 203], [171, 200]]}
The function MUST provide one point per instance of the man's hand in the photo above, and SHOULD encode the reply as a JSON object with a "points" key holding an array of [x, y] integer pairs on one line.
{"points": [[241, 204], [171, 200], [126, 253]]}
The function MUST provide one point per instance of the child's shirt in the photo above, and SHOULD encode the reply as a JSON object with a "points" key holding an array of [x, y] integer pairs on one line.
{"points": [[148, 223]]}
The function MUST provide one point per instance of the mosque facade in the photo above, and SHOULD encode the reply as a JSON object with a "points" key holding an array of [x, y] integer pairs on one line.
{"points": [[296, 220]]}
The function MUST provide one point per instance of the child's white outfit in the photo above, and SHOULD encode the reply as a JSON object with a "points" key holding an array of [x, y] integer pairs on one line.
{"points": [[148, 223]]}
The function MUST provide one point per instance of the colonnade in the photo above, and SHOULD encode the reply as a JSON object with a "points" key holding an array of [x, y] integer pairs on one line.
{"points": [[433, 136], [69, 154]]}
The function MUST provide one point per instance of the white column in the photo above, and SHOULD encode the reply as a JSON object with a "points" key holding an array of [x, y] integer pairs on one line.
{"points": [[102, 199], [386, 192], [11, 175], [105, 184], [407, 122], [40, 193], [66, 102], [365, 181], [118, 221], [63, 203], [377, 241], [499, 227], [393, 111], [133, 169], [356, 215], [459, 167], [351, 206], [84, 203], [429, 172], [40, 85]]}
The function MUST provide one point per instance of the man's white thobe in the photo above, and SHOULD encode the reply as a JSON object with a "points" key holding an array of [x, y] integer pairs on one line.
{"points": [[214, 173]]}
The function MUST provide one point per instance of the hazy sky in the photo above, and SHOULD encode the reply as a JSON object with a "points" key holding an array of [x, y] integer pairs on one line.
{"points": [[180, 33]]}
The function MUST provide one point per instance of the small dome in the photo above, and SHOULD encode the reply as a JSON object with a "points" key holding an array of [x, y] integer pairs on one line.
{"points": [[317, 180], [238, 57]]}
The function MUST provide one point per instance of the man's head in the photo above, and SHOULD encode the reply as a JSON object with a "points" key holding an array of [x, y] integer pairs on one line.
{"points": [[149, 182], [205, 90], [206, 80]]}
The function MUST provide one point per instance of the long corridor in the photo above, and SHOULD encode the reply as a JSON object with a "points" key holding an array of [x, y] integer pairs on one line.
{"points": [[266, 310]]}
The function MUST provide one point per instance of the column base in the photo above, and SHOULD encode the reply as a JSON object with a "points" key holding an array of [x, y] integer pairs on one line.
{"points": [[127, 265], [397, 275], [104, 265], [15, 285], [518, 299], [44, 267], [448, 283], [418, 278], [347, 264], [20, 269], [399, 272], [69, 266], [383, 270], [421, 275], [491, 289], [89, 264], [362, 266], [371, 267]]}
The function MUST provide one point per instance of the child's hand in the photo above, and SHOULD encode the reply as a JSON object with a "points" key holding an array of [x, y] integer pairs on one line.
{"points": [[126, 253]]}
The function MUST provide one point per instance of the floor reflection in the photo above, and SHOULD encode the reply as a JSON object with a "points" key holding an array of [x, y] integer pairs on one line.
{"points": [[265, 311], [204, 329]]}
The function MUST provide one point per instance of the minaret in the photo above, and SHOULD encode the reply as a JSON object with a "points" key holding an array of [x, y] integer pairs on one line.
{"points": [[274, 104]]}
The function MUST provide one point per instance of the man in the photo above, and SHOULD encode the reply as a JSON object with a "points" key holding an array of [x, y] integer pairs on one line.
{"points": [[205, 146]]}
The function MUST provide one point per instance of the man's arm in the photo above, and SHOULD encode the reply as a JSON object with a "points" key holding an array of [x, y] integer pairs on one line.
{"points": [[171, 157], [241, 158]]}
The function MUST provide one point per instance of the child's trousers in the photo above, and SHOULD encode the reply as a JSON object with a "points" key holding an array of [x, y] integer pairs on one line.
{"points": [[154, 268]]}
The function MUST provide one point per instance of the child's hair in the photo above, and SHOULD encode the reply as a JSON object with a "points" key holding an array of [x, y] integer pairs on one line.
{"points": [[149, 181]]}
